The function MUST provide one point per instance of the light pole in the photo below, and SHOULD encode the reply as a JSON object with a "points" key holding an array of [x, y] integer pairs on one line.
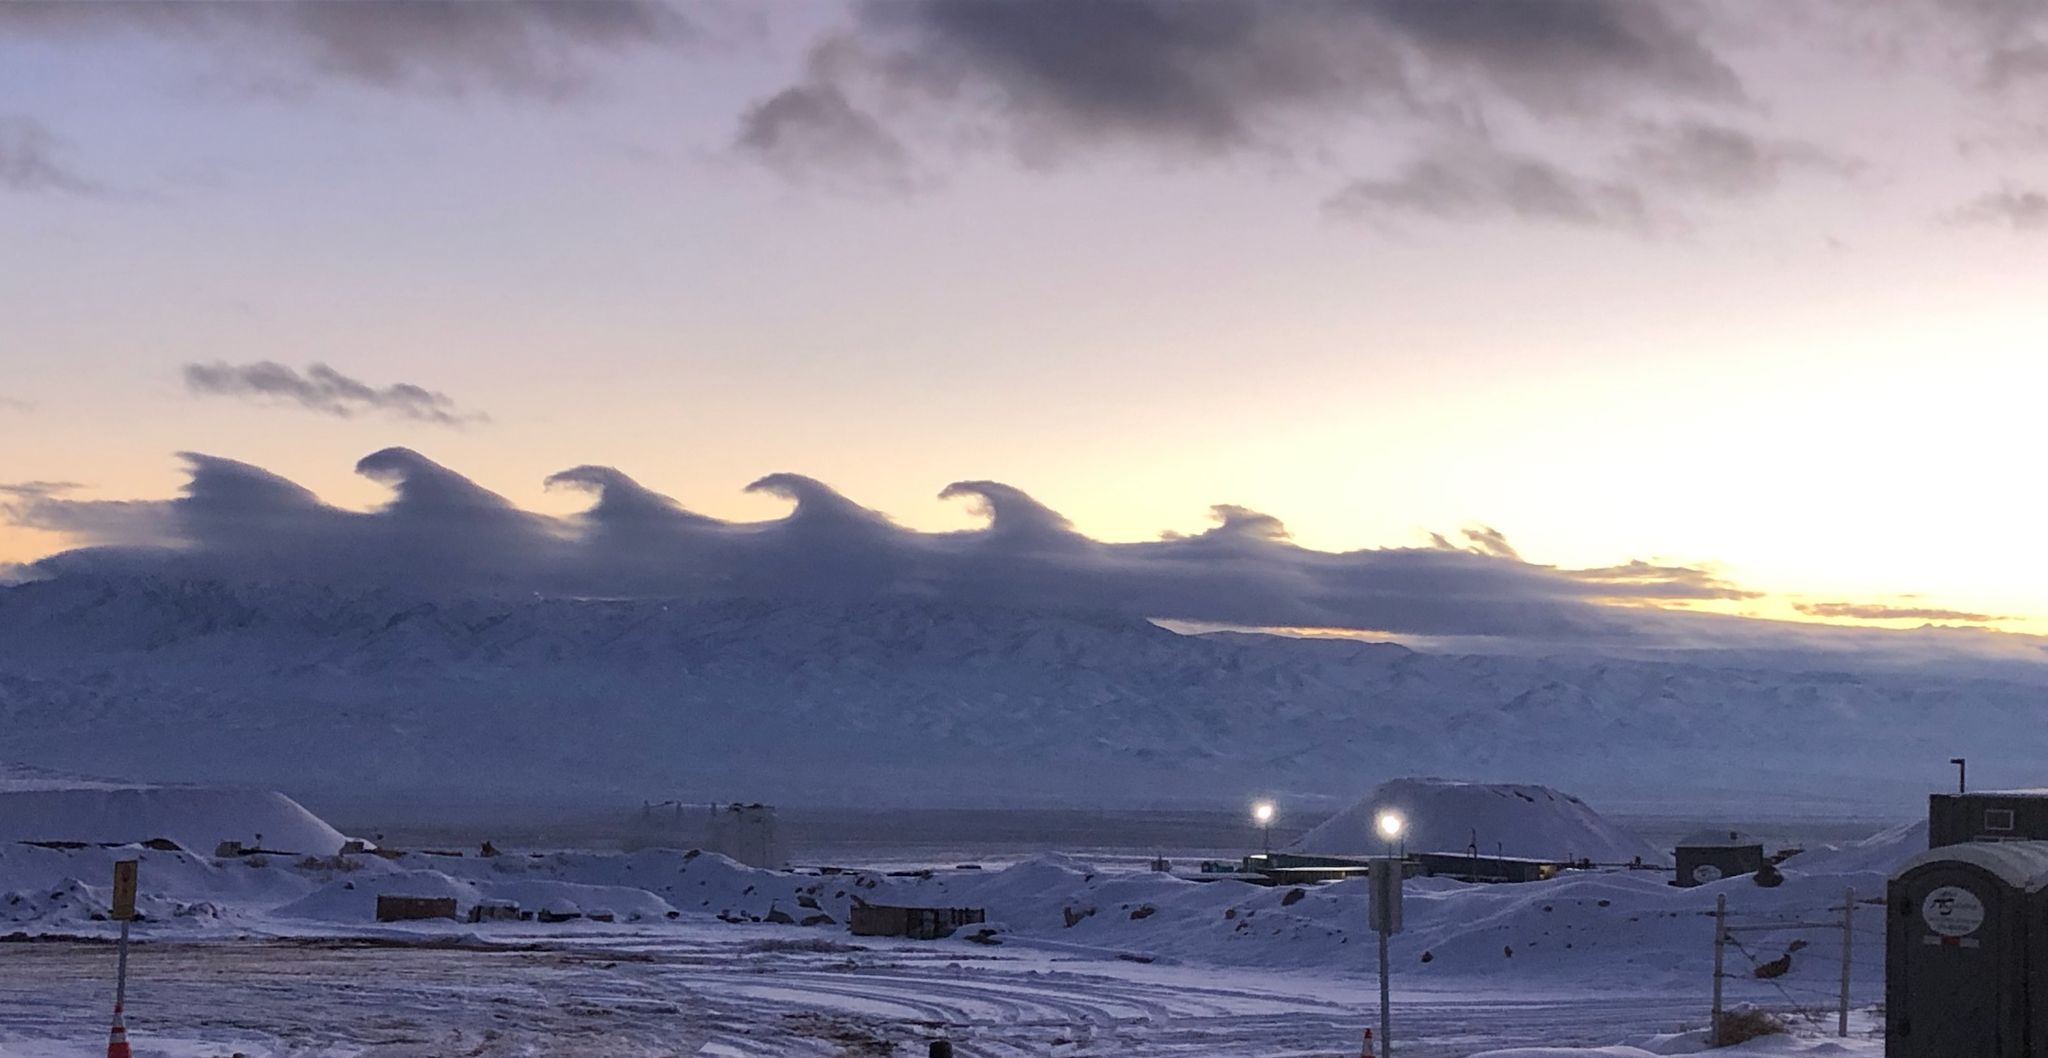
{"points": [[1262, 814], [1386, 915], [1962, 774]]}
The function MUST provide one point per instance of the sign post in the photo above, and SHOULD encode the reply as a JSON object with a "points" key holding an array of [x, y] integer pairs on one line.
{"points": [[1385, 918], [125, 872]]}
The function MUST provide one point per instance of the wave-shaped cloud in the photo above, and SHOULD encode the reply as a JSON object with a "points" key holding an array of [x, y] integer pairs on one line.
{"points": [[440, 531]]}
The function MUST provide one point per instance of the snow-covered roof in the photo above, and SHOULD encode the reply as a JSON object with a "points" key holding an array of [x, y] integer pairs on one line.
{"points": [[1719, 839], [2021, 864]]}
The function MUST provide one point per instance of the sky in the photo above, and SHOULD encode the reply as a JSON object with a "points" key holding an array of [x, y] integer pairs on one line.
{"points": [[1535, 288]]}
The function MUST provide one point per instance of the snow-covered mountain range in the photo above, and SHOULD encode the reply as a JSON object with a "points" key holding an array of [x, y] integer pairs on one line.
{"points": [[371, 697]]}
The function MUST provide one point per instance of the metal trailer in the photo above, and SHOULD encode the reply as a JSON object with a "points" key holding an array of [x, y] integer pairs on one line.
{"points": [[1987, 815]]}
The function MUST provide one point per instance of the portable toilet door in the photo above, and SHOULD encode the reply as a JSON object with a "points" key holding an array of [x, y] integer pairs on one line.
{"points": [[1962, 925]]}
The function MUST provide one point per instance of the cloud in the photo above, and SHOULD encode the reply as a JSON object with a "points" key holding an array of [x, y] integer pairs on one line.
{"points": [[323, 389], [1476, 182], [811, 132], [31, 161], [1881, 612], [1215, 77], [543, 48], [51, 507], [1724, 160], [16, 404], [443, 531], [2019, 208]]}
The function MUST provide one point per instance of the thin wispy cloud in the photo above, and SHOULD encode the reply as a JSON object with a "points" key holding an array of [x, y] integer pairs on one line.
{"points": [[1480, 182], [2015, 207], [32, 161], [1856, 611], [1722, 159], [323, 389], [534, 48]]}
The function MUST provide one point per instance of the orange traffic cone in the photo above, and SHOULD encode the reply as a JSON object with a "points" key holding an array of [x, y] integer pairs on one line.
{"points": [[117, 1040], [1365, 1048]]}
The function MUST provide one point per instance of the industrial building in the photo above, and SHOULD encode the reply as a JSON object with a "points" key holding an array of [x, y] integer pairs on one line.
{"points": [[1711, 855], [1287, 868]]}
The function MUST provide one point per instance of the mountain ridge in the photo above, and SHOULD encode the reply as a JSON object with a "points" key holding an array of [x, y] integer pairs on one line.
{"points": [[348, 694]]}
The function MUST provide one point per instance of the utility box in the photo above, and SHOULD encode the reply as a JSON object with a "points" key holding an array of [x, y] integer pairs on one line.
{"points": [[1966, 945], [1711, 855], [1987, 815], [1383, 909]]}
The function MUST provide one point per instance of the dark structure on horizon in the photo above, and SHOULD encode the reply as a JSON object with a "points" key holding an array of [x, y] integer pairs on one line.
{"points": [[1711, 855], [1987, 815], [917, 923]]}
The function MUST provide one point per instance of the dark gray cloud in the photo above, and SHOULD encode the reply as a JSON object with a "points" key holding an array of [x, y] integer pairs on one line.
{"points": [[1477, 182], [442, 531], [31, 160], [1218, 76], [1721, 159], [2012, 206], [1857, 611], [323, 389], [547, 48]]}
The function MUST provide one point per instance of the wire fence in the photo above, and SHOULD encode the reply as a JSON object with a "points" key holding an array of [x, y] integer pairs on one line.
{"points": [[1794, 964]]}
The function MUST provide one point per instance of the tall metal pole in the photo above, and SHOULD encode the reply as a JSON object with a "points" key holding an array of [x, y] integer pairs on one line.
{"points": [[121, 971], [1386, 1004], [1848, 920], [1720, 938]]}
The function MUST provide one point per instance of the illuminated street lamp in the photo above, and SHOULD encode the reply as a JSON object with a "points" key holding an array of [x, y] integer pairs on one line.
{"points": [[1390, 825], [1262, 814]]}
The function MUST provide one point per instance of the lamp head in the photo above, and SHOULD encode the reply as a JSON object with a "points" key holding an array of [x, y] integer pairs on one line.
{"points": [[1390, 824], [1262, 812]]}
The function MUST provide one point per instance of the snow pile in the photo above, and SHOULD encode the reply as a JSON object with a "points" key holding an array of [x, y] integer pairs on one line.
{"points": [[1440, 815], [37, 805], [1881, 853]]}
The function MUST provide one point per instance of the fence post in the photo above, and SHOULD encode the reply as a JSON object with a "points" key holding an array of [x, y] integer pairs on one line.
{"points": [[1848, 920], [1720, 939]]}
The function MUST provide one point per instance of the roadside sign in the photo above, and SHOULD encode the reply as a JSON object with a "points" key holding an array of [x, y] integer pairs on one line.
{"points": [[124, 889], [1384, 913]]}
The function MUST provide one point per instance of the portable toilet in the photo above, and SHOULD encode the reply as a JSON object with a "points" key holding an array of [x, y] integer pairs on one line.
{"points": [[1963, 948]]}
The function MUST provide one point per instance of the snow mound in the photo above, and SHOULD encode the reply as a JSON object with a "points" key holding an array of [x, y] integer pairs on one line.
{"points": [[1441, 815], [37, 805], [1880, 853]]}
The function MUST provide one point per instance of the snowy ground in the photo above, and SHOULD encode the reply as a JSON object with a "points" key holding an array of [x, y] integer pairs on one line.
{"points": [[672, 952], [740, 991], [285, 959]]}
